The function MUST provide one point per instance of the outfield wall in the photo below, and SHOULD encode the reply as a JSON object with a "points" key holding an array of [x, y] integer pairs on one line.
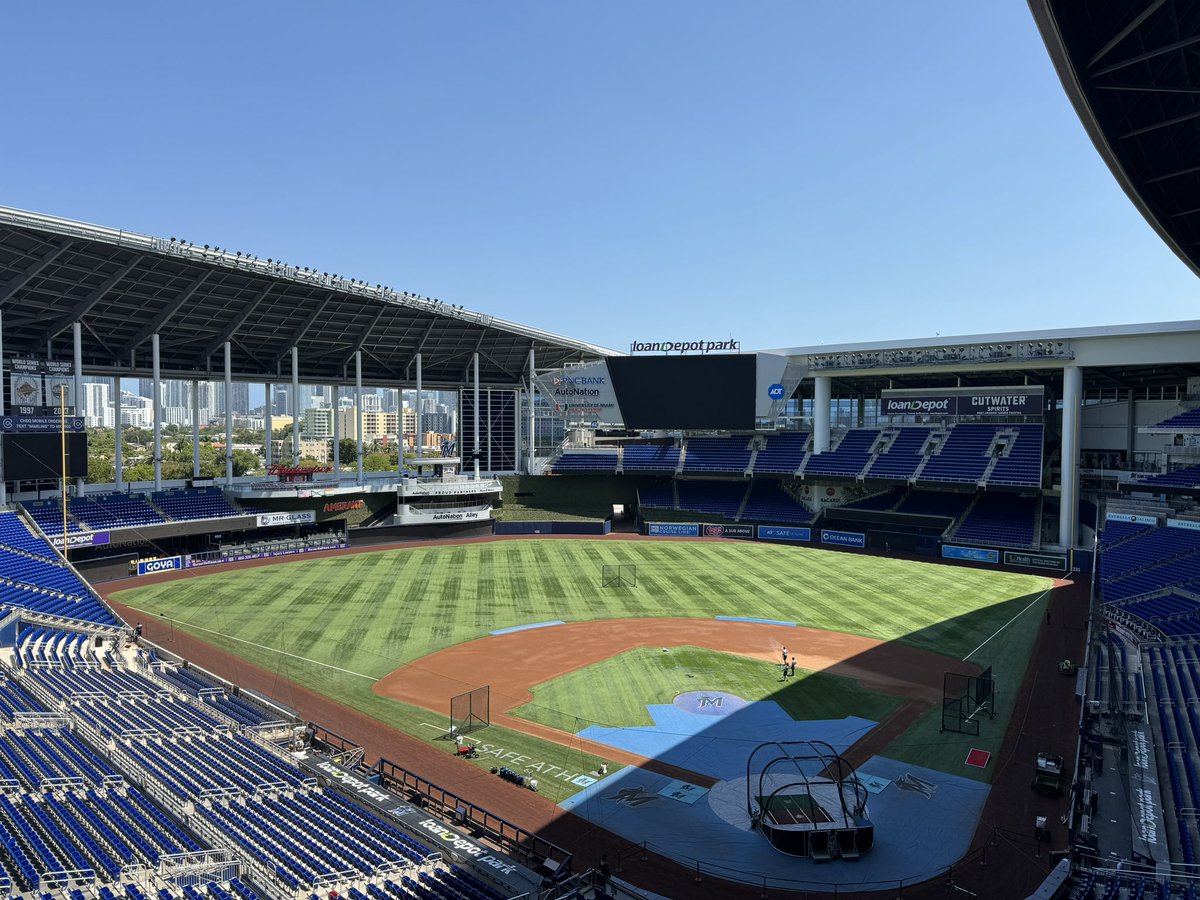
{"points": [[510, 528]]}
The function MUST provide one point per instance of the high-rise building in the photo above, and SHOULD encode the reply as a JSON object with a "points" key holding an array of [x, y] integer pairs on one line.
{"points": [[97, 404]]}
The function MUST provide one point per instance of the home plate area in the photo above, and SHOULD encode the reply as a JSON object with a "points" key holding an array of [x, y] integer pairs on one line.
{"points": [[923, 819]]}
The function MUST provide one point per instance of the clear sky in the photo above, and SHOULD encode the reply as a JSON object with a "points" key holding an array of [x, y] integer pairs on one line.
{"points": [[784, 173]]}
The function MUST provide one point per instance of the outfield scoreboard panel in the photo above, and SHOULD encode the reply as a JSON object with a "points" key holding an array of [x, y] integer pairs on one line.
{"points": [[721, 392], [37, 456], [688, 392]]}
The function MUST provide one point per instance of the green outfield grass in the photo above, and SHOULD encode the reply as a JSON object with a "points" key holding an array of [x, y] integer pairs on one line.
{"points": [[338, 624], [648, 675]]}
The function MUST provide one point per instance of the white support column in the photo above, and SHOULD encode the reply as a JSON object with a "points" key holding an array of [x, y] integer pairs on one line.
{"points": [[475, 362], [400, 431], [1072, 402], [531, 443], [419, 437], [358, 412], [337, 430], [228, 415], [156, 408], [118, 436], [77, 334], [295, 406], [822, 393], [268, 425], [3, 483], [195, 428]]}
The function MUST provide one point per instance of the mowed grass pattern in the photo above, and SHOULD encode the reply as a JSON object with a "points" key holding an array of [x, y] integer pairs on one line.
{"points": [[615, 692], [335, 625], [372, 612]]}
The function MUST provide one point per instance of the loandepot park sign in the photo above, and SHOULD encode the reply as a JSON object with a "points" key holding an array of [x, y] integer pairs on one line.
{"points": [[1021, 400], [726, 346]]}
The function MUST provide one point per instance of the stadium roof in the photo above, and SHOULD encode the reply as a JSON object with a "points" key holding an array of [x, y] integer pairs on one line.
{"points": [[1127, 357], [124, 286], [1131, 68]]}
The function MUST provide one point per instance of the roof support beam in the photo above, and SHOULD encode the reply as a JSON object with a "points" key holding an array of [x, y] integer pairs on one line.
{"points": [[82, 308], [99, 340], [1148, 88], [386, 368], [1170, 175], [302, 329], [420, 346], [1148, 128], [238, 321], [363, 335], [166, 313], [15, 284], [479, 343], [1126, 31], [1149, 54], [515, 376]]}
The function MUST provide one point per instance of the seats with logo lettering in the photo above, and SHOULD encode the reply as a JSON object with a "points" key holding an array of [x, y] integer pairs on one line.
{"points": [[717, 454], [195, 503], [782, 454], [848, 459], [102, 511], [1008, 520], [769, 502], [602, 462], [650, 458]]}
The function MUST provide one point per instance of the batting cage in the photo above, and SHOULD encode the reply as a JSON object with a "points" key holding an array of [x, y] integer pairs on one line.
{"points": [[618, 576], [471, 710], [966, 699], [808, 800]]}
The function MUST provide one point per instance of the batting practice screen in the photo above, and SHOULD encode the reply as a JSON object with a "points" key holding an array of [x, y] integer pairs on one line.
{"points": [[471, 710]]}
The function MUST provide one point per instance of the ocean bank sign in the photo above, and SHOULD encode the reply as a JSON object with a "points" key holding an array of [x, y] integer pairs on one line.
{"points": [[844, 538], [166, 564], [783, 533], [976, 554]]}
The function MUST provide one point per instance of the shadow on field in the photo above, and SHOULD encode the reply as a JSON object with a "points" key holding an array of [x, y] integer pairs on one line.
{"points": [[1017, 638]]}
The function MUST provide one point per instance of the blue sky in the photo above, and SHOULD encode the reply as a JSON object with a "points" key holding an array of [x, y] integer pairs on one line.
{"points": [[785, 173]]}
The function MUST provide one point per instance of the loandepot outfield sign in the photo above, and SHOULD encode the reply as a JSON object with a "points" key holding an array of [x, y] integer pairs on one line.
{"points": [[82, 539], [1020, 400]]}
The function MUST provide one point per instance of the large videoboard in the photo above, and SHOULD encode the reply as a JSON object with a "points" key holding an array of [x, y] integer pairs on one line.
{"points": [[685, 392], [37, 456]]}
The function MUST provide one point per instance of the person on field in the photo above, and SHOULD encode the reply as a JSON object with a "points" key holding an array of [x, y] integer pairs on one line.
{"points": [[793, 667]]}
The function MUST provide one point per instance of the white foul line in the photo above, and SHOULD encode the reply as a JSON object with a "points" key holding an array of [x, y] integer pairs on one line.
{"points": [[1009, 622], [272, 649]]}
